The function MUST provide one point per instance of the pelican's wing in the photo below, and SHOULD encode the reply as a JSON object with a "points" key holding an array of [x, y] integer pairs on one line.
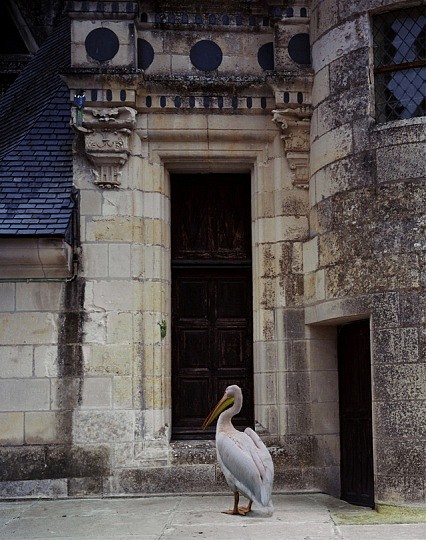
{"points": [[238, 465], [266, 468]]}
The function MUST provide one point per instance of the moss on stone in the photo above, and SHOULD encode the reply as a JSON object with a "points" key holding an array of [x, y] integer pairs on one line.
{"points": [[383, 514]]}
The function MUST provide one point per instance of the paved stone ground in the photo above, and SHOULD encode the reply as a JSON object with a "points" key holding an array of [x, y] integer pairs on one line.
{"points": [[296, 517]]}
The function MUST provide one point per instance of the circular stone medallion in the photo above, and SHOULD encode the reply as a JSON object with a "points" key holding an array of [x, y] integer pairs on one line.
{"points": [[145, 54], [299, 49], [102, 44], [206, 55], [265, 56]]}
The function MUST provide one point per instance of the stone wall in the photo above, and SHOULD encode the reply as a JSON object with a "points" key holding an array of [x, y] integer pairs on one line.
{"points": [[86, 374], [366, 257], [41, 384]]}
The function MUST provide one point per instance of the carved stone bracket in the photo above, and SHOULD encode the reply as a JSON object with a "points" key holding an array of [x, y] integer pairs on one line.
{"points": [[295, 124], [106, 140]]}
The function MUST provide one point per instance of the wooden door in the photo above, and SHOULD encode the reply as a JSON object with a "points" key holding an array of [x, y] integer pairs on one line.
{"points": [[211, 298], [356, 434]]}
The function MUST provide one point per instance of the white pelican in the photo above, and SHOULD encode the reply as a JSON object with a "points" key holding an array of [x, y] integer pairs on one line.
{"points": [[244, 459]]}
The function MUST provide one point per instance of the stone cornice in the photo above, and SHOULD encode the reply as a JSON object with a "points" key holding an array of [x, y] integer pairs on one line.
{"points": [[35, 258]]}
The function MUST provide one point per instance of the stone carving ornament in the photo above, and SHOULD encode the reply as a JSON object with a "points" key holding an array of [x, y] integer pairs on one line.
{"points": [[295, 124], [106, 140]]}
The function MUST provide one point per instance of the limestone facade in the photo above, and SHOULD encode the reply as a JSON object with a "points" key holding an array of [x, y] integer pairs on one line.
{"points": [[338, 223]]}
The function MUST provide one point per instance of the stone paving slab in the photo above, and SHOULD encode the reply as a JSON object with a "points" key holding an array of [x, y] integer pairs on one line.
{"points": [[296, 517]]}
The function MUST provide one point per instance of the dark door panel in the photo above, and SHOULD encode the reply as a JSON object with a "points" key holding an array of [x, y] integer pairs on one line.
{"points": [[215, 349], [211, 298], [211, 217], [356, 436]]}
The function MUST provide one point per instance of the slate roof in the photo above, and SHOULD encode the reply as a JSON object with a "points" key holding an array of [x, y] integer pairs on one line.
{"points": [[36, 145]]}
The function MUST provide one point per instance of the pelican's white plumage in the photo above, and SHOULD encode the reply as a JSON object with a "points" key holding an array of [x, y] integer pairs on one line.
{"points": [[244, 459]]}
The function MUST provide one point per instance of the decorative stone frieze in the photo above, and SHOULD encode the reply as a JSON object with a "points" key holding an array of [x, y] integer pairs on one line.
{"points": [[295, 124], [106, 141]]}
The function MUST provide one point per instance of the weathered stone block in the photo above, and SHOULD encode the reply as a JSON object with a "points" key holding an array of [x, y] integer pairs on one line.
{"points": [[398, 162], [119, 260], [289, 227], [46, 362], [325, 418], [332, 146], [38, 296], [412, 307], [400, 381], [266, 355], [110, 359], [339, 41], [400, 418], [401, 455], [292, 322], [51, 489], [22, 463], [192, 453], [343, 108], [397, 345], [350, 71], [7, 295], [296, 355], [114, 296], [321, 86], [95, 260], [106, 426], [16, 361], [11, 428], [399, 489], [95, 327], [97, 393], [66, 393], [323, 17], [297, 385], [90, 202], [299, 420], [296, 451], [24, 394], [38, 330], [119, 327], [117, 203], [309, 287], [310, 255], [122, 392], [40, 427], [385, 309], [322, 354], [113, 229], [78, 461], [85, 487], [324, 386], [265, 388], [167, 480], [326, 450]]}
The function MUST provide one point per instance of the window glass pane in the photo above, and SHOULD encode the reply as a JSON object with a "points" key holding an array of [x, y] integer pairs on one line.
{"points": [[399, 36], [400, 94], [400, 65]]}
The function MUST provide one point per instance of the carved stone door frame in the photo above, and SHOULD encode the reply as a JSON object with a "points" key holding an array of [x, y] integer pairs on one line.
{"points": [[237, 144]]}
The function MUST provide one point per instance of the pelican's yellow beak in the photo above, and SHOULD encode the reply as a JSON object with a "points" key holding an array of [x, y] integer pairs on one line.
{"points": [[223, 404]]}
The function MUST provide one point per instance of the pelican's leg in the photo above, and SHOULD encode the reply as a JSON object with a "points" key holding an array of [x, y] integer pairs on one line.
{"points": [[242, 511], [234, 510]]}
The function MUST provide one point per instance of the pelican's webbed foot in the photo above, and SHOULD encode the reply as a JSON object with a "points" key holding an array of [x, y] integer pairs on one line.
{"points": [[238, 510]]}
